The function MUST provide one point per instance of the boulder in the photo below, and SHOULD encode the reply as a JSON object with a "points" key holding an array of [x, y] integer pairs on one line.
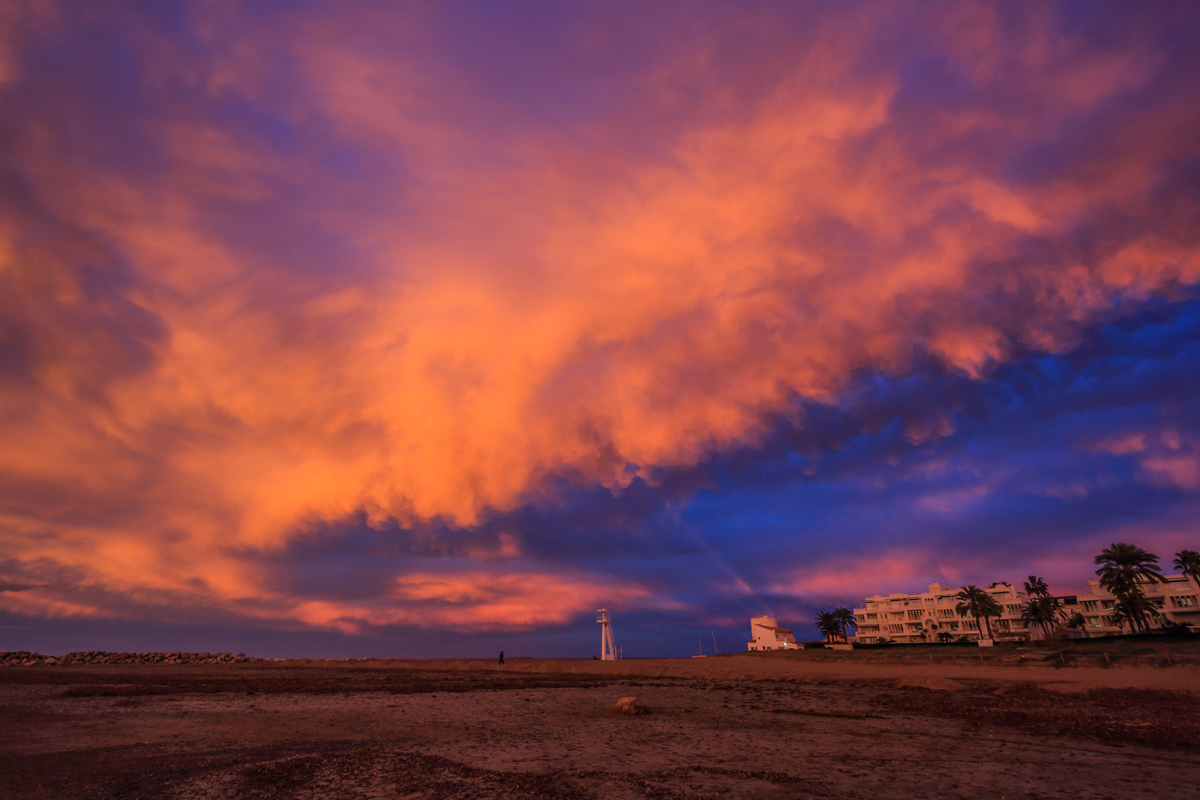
{"points": [[631, 706]]}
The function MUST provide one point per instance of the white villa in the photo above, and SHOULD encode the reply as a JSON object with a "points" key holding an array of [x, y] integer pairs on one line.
{"points": [[765, 634], [909, 618]]}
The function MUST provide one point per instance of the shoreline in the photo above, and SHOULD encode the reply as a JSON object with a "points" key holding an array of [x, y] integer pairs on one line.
{"points": [[1048, 675], [1063, 669]]}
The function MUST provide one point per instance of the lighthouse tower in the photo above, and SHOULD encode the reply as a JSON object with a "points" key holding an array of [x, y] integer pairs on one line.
{"points": [[607, 650]]}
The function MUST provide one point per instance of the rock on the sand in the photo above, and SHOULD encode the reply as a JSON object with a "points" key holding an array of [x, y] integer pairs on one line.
{"points": [[631, 705]]}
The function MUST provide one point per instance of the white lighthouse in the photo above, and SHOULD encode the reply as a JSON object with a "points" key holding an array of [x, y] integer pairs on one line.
{"points": [[608, 651]]}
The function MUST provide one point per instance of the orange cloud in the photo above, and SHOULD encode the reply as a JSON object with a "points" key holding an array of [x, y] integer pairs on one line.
{"points": [[468, 600], [504, 301]]}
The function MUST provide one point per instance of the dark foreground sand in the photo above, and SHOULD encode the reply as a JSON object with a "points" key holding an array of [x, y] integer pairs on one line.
{"points": [[731, 727]]}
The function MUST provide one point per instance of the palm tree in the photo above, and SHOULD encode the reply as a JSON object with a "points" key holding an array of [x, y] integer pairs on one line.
{"points": [[1188, 562], [828, 625], [1036, 587], [845, 619], [1124, 566], [1135, 610], [1043, 611], [1077, 621], [979, 604]]}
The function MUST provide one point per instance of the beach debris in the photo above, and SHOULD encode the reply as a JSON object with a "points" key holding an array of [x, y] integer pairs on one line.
{"points": [[27, 659], [931, 682], [631, 706], [806, 712]]}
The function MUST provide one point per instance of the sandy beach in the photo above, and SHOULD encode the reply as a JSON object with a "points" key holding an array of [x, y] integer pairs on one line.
{"points": [[819, 725]]}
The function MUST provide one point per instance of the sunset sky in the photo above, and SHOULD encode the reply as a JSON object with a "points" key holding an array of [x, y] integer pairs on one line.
{"points": [[370, 328]]}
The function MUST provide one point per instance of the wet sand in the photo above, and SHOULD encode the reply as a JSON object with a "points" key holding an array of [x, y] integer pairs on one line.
{"points": [[736, 726]]}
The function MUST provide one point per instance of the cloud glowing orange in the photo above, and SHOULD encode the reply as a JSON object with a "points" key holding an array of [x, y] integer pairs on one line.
{"points": [[310, 275]]}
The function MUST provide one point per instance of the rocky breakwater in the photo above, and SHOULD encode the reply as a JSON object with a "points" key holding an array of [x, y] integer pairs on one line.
{"points": [[27, 659]]}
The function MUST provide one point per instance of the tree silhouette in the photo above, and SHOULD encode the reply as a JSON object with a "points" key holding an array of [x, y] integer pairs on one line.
{"points": [[845, 620], [979, 604], [1188, 562], [1135, 610], [1044, 611], [828, 625], [1036, 587], [1124, 566], [1041, 610], [1123, 570]]}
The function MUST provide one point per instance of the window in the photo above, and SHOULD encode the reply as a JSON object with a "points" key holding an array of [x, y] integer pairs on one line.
{"points": [[953, 626], [945, 612], [1157, 602], [1013, 611], [872, 617], [1090, 605], [895, 628], [1107, 604], [1184, 601], [1093, 622], [914, 615]]}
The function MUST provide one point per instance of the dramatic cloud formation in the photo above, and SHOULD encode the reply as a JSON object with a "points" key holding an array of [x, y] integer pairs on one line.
{"points": [[347, 317]]}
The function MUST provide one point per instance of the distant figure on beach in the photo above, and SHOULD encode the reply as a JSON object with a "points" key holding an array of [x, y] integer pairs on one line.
{"points": [[502, 658]]}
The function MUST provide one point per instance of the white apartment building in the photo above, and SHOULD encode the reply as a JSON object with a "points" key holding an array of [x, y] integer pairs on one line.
{"points": [[1175, 599], [765, 634], [915, 618]]}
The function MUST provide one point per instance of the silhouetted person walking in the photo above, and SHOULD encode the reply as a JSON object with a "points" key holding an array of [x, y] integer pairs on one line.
{"points": [[502, 658]]}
